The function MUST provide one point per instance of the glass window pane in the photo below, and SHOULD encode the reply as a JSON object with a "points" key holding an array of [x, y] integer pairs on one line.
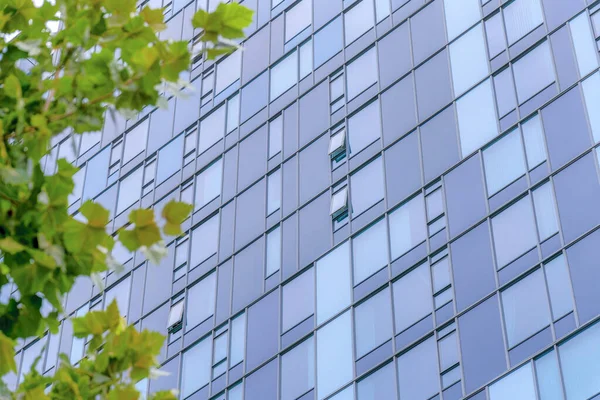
{"points": [[204, 241], [496, 39], [238, 340], [514, 231], [505, 92], [274, 192], [130, 190], [362, 73], [412, 297], [297, 19], [135, 141], [407, 226], [469, 60], [533, 72], [545, 211], [579, 361], [228, 71], [583, 41], [120, 294], [335, 362], [212, 129], [359, 20], [591, 93], [504, 162], [525, 307], [328, 41], [284, 75], [369, 250], [298, 370], [275, 136], [460, 15], [364, 127], [306, 59], [533, 136], [382, 9], [476, 118], [298, 299], [233, 113], [448, 350], [559, 287], [373, 322], [521, 17], [208, 184], [380, 385], [333, 283], [170, 159], [196, 367], [418, 372], [201, 301], [273, 251], [548, 377], [367, 186], [518, 385]]}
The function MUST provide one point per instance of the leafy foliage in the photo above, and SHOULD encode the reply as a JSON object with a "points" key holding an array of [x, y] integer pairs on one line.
{"points": [[105, 56]]}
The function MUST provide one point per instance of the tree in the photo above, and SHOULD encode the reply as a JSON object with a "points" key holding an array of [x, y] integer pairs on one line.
{"points": [[105, 56]]}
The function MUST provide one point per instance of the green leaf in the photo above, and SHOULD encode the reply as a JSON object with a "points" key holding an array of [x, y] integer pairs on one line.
{"points": [[96, 215], [12, 87], [200, 19], [154, 18], [234, 15], [7, 355], [141, 217], [175, 212], [10, 245]]}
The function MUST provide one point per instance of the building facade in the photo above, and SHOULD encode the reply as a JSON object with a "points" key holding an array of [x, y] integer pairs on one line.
{"points": [[394, 199]]}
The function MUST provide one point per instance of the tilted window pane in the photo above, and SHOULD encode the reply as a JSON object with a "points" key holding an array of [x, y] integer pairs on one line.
{"points": [[469, 60], [273, 251], [208, 184], [548, 377], [130, 190], [418, 372], [369, 249], [373, 322], [380, 385], [284, 75], [460, 15], [364, 127], [204, 241], [196, 366], [135, 141], [333, 282], [298, 299], [504, 162], [559, 287], [298, 370], [297, 19], [535, 146], [334, 355], [534, 72], [526, 308], [238, 340], [518, 385], [359, 20], [201, 301], [521, 17], [591, 93], [212, 129], [545, 211], [407, 226], [476, 118], [412, 297], [228, 71], [583, 41], [367, 186], [514, 231], [579, 361], [362, 73]]}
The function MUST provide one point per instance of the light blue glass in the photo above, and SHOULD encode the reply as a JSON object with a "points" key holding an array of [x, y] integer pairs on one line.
{"points": [[494, 28], [382, 9], [548, 377], [505, 92], [233, 114], [297, 19], [362, 73], [328, 41], [208, 184], [170, 159], [370, 251], [534, 72], [238, 340], [412, 297], [373, 322], [274, 192], [204, 241], [469, 60], [504, 162], [418, 372], [306, 59], [579, 361], [381, 384], [367, 186], [460, 15], [201, 301], [298, 300], [476, 118], [334, 283], [284, 75], [359, 20], [236, 392], [96, 174], [212, 129], [514, 231], [535, 146], [273, 251], [135, 141], [364, 127], [559, 287], [591, 93], [335, 362], [130, 190], [228, 71], [408, 227], [521, 17], [583, 41], [196, 367], [545, 211], [346, 394], [518, 385], [298, 370]]}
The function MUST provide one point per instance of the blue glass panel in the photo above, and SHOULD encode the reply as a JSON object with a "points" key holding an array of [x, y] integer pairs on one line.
{"points": [[579, 361], [518, 385], [418, 372], [334, 355]]}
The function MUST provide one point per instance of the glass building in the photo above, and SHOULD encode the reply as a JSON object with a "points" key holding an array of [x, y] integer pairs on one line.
{"points": [[394, 199]]}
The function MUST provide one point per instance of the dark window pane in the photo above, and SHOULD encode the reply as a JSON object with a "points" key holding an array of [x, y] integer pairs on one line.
{"points": [[263, 330]]}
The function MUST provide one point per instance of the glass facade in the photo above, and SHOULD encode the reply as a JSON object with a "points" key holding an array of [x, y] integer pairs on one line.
{"points": [[393, 199]]}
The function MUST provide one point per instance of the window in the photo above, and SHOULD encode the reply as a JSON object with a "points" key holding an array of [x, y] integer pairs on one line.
{"points": [[533, 72], [583, 41], [284, 75], [559, 287], [170, 159], [496, 39], [545, 211], [476, 118], [130, 190], [412, 297], [362, 73], [233, 113], [514, 231], [337, 145], [407, 226], [591, 92], [548, 376], [504, 162], [119, 293], [212, 129], [208, 184], [579, 362], [382, 9], [469, 60], [196, 367], [339, 202], [297, 19], [328, 42], [370, 251], [274, 192], [367, 186], [333, 283], [135, 141], [505, 92], [526, 309], [273, 251], [238, 340], [175, 317], [306, 59], [381, 384], [336, 89], [275, 136], [373, 322], [204, 241], [298, 299], [521, 17], [533, 136], [358, 20], [517, 385], [460, 15], [228, 71], [418, 371], [298, 370], [334, 355], [346, 394], [364, 127], [201, 301]]}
